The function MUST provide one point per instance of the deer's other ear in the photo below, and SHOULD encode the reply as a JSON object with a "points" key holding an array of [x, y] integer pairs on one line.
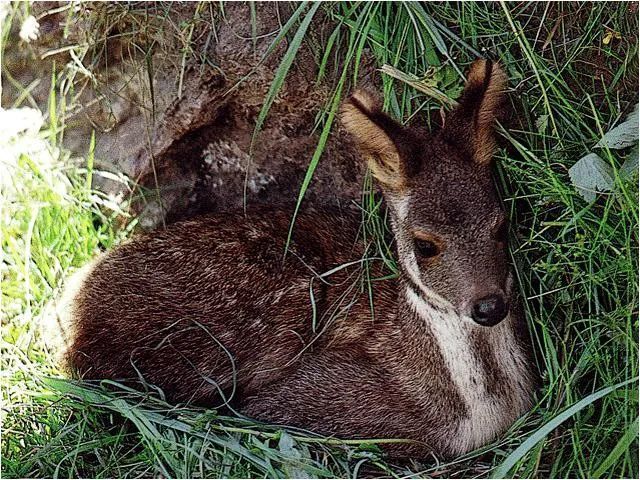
{"points": [[471, 125], [383, 142]]}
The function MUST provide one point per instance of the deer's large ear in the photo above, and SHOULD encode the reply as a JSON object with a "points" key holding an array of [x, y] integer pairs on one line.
{"points": [[383, 141], [471, 125]]}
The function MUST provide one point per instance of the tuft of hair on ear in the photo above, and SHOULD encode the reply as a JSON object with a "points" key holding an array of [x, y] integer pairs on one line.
{"points": [[374, 133], [480, 105]]}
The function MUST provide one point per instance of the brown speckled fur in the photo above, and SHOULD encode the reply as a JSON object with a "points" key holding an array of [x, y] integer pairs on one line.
{"points": [[158, 306], [209, 311]]}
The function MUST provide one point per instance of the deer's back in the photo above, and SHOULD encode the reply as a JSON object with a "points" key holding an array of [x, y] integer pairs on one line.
{"points": [[209, 303]]}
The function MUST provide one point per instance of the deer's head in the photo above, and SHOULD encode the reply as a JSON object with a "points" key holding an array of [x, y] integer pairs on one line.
{"points": [[447, 220]]}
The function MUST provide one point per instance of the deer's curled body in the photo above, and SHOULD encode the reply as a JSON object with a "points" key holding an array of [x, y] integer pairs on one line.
{"points": [[208, 310]]}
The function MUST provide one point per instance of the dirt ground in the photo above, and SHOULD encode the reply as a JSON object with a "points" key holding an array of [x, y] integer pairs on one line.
{"points": [[181, 124]]}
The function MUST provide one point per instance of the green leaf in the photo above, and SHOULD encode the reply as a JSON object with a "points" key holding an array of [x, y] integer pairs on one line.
{"points": [[591, 174], [541, 123], [630, 165], [293, 455], [622, 136]]}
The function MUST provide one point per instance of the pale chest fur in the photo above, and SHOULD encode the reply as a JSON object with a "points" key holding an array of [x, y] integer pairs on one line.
{"points": [[488, 411]]}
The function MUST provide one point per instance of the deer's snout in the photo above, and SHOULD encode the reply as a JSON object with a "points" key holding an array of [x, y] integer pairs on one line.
{"points": [[490, 310]]}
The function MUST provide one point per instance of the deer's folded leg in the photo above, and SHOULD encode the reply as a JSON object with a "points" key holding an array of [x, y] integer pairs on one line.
{"points": [[348, 397]]}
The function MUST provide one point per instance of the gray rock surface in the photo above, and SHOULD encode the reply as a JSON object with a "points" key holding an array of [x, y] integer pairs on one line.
{"points": [[180, 125]]}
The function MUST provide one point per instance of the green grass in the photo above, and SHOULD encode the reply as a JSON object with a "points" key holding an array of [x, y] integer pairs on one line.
{"points": [[576, 262]]}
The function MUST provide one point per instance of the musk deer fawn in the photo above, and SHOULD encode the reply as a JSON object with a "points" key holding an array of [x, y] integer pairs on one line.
{"points": [[208, 311]]}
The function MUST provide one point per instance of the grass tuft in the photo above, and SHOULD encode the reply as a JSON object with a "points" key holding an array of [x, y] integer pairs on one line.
{"points": [[576, 262]]}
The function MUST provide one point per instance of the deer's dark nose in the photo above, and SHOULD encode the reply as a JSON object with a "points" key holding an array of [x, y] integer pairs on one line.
{"points": [[490, 310]]}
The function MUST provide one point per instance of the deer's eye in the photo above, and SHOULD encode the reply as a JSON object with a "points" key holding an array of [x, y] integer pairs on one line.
{"points": [[426, 248], [501, 233]]}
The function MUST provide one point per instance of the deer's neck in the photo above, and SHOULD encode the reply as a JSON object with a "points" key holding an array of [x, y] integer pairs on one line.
{"points": [[486, 365]]}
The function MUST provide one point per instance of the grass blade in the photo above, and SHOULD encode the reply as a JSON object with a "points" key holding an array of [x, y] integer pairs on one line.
{"points": [[278, 80], [503, 469], [621, 447]]}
